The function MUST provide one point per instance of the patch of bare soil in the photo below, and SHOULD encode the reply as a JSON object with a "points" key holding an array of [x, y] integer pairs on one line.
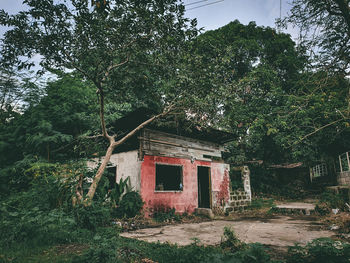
{"points": [[278, 232]]}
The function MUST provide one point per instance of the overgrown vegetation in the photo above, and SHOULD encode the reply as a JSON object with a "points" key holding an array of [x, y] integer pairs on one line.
{"points": [[271, 183], [283, 105], [231, 242], [258, 203], [130, 205], [323, 250], [330, 200], [165, 213]]}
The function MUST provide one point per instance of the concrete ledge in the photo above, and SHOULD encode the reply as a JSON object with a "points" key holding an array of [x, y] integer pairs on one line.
{"points": [[205, 211], [295, 208]]}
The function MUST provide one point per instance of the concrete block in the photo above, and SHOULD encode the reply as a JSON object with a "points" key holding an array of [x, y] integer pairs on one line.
{"points": [[205, 211]]}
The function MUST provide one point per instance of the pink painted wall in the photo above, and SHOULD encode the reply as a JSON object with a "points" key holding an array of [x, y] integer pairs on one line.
{"points": [[185, 200]]}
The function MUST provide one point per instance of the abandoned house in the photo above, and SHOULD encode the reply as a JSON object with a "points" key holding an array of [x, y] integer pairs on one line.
{"points": [[173, 167]]}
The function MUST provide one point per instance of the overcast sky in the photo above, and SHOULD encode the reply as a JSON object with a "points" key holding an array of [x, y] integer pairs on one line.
{"points": [[263, 12], [209, 14]]}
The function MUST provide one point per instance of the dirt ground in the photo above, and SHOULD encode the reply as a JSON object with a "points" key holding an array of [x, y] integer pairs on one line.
{"points": [[277, 231]]}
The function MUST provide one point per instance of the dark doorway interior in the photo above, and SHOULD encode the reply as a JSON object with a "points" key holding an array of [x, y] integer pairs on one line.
{"points": [[203, 187], [112, 173]]}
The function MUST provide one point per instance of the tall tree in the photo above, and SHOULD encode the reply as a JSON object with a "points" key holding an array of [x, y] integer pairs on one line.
{"points": [[325, 36], [17, 92], [116, 45], [46, 125], [253, 69], [325, 31]]}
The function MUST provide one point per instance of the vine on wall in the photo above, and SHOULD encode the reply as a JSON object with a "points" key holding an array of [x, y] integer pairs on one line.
{"points": [[224, 193]]}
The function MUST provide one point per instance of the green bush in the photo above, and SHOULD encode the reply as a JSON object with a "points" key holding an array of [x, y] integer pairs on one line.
{"points": [[35, 227], [39, 214], [115, 249], [230, 241], [332, 199], [120, 188], [255, 253], [130, 205], [322, 250], [268, 183], [93, 216]]}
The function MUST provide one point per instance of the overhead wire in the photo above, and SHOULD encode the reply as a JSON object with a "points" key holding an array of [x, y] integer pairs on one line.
{"points": [[197, 2], [204, 5]]}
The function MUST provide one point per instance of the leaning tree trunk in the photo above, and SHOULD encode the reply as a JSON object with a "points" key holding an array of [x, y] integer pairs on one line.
{"points": [[112, 145], [98, 176]]}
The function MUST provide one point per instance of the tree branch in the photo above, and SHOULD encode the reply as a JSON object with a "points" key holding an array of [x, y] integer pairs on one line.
{"points": [[92, 136], [111, 67], [315, 131], [75, 65], [102, 116], [142, 125]]}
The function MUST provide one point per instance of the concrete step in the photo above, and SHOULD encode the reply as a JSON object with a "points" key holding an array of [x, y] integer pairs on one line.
{"points": [[295, 208]]}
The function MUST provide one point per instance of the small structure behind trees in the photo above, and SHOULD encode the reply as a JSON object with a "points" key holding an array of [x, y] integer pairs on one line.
{"points": [[343, 177]]}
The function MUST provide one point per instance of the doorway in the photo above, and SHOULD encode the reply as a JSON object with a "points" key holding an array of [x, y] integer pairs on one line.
{"points": [[204, 185]]}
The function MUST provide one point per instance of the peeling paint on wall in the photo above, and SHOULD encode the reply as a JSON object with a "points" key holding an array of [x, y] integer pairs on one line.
{"points": [[185, 200]]}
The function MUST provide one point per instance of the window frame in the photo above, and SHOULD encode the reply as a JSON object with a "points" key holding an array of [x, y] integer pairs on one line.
{"points": [[155, 177]]}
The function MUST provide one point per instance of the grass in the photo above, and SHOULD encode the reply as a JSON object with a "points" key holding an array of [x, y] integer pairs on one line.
{"points": [[43, 254], [262, 203], [107, 246]]}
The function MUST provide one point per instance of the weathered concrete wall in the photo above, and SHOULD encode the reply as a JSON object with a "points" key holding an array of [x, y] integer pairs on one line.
{"points": [[220, 184], [127, 164], [185, 200], [343, 178], [238, 200], [246, 182]]}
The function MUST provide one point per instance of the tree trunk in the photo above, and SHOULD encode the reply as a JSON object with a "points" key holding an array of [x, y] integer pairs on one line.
{"points": [[98, 176], [113, 144]]}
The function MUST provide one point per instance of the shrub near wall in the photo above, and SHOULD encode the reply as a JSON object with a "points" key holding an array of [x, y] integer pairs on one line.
{"points": [[130, 205]]}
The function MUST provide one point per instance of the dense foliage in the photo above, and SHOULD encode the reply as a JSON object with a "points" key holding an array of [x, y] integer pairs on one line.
{"points": [[324, 31], [105, 60], [130, 52], [280, 109]]}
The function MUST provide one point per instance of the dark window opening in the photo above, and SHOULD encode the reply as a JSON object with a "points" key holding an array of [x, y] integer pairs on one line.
{"points": [[168, 177]]}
